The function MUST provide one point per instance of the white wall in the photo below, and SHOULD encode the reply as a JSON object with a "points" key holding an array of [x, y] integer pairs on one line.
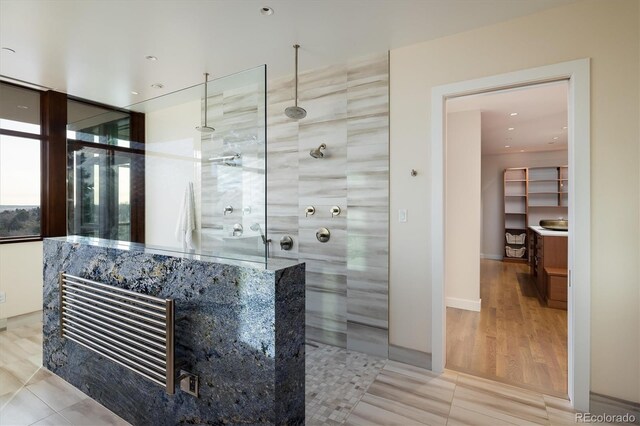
{"points": [[493, 166], [170, 163], [21, 278], [607, 32], [462, 228]]}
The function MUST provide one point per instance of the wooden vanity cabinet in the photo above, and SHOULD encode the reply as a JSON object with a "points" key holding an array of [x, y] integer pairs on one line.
{"points": [[548, 252]]}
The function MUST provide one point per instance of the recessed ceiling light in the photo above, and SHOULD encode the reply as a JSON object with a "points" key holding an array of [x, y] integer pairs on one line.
{"points": [[564, 128], [266, 10], [507, 146], [133, 92], [555, 138], [157, 85], [513, 114], [511, 128], [522, 150], [151, 58], [23, 107], [8, 49]]}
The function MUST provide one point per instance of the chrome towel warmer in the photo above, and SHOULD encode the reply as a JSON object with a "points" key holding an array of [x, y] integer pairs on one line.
{"points": [[131, 329]]}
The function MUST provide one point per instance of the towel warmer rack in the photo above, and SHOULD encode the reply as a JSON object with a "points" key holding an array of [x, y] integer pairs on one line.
{"points": [[131, 329]]}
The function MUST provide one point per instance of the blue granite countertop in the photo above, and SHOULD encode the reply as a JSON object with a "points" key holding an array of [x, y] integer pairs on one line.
{"points": [[270, 265]]}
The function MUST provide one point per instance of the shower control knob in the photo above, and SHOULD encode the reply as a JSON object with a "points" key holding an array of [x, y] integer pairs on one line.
{"points": [[309, 211], [323, 235], [286, 243]]}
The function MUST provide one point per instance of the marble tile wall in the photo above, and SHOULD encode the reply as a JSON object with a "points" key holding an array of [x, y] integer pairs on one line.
{"points": [[347, 278]]}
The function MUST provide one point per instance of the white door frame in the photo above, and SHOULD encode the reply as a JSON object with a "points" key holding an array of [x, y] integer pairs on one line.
{"points": [[579, 260]]}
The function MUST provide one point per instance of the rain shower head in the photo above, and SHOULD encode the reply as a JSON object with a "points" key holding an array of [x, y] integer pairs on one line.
{"points": [[317, 153], [205, 128], [295, 112]]}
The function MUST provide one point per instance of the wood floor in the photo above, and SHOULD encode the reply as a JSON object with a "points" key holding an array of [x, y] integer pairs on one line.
{"points": [[514, 338]]}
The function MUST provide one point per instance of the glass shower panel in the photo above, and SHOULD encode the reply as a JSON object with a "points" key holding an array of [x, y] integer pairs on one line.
{"points": [[204, 193]]}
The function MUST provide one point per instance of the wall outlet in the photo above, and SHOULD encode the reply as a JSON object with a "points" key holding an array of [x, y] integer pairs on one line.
{"points": [[402, 215], [189, 383], [3, 297]]}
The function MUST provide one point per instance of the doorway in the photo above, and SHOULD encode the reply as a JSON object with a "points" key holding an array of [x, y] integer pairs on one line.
{"points": [[506, 170], [578, 297]]}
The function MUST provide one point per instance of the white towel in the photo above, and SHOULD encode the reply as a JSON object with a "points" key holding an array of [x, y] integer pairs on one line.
{"points": [[187, 219]]}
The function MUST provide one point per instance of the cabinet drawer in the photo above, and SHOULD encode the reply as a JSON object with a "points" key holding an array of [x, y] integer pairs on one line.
{"points": [[558, 288]]}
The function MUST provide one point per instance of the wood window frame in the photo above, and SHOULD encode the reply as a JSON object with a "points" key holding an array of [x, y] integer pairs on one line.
{"points": [[53, 166]]}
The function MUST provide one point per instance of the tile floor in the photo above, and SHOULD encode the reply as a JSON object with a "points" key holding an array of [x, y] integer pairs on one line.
{"points": [[342, 387], [31, 395]]}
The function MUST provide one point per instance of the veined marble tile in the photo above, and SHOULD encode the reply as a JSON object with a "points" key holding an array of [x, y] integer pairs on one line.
{"points": [[334, 250], [367, 339], [326, 311], [322, 82], [368, 190], [368, 98], [367, 307], [323, 94], [328, 337], [369, 130], [280, 90], [369, 66], [324, 281]]}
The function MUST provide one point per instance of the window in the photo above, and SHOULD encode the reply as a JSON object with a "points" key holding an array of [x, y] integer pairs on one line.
{"points": [[102, 169], [20, 164]]}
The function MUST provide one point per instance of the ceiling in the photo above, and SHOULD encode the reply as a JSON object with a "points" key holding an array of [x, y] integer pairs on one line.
{"points": [[96, 49], [540, 123]]}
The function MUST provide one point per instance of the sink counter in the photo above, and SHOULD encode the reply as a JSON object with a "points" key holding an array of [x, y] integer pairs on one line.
{"points": [[239, 326], [548, 232]]}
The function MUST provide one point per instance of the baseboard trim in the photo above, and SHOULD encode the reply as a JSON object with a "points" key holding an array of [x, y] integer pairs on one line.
{"points": [[466, 304], [410, 356], [491, 256], [604, 404]]}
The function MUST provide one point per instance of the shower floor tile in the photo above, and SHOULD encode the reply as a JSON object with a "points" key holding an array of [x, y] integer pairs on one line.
{"points": [[336, 380]]}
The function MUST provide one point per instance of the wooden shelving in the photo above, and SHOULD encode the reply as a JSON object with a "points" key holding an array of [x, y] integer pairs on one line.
{"points": [[515, 214], [531, 191]]}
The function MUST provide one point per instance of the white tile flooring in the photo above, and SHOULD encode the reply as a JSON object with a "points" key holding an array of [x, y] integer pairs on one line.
{"points": [[342, 387]]}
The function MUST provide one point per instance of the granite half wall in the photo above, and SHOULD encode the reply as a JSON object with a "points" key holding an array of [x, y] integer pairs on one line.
{"points": [[239, 326]]}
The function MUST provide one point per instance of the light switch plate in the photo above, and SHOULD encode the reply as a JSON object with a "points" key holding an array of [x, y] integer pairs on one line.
{"points": [[402, 215]]}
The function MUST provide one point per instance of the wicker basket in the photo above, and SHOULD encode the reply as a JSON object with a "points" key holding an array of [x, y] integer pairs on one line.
{"points": [[514, 252], [515, 239]]}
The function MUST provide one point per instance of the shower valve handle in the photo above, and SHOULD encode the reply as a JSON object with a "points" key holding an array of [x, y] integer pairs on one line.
{"points": [[309, 211]]}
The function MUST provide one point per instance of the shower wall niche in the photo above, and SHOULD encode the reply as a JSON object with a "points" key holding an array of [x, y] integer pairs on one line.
{"points": [[347, 277]]}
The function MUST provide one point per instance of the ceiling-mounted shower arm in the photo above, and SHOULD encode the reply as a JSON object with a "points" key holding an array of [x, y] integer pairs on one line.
{"points": [[295, 112], [296, 47], [206, 128]]}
